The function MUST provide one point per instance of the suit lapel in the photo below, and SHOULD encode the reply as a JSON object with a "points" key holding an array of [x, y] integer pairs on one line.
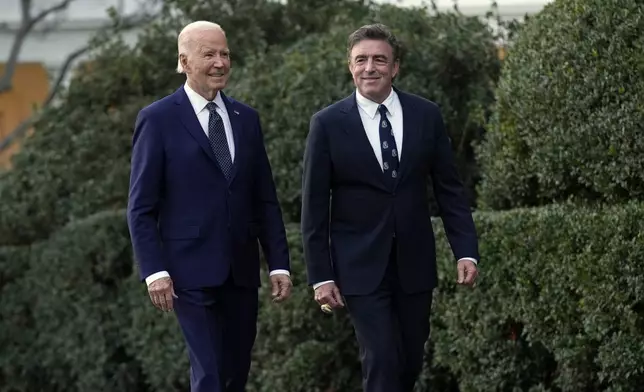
{"points": [[191, 123], [412, 122], [236, 124], [354, 129]]}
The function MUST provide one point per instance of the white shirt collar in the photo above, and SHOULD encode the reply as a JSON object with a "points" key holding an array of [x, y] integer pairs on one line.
{"points": [[199, 103], [371, 108]]}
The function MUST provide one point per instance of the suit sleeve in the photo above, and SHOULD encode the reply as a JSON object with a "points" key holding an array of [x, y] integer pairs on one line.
{"points": [[450, 194], [146, 175], [316, 190], [272, 235]]}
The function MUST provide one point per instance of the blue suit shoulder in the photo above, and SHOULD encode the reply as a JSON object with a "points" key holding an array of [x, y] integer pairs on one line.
{"points": [[333, 110], [421, 103], [159, 106], [243, 108], [165, 105]]}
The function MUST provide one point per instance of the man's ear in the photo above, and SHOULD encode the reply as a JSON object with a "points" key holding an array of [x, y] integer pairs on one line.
{"points": [[184, 61]]}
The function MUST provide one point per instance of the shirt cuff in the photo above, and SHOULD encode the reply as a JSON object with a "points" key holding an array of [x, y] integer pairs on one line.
{"points": [[155, 276], [279, 271], [470, 259], [315, 286]]}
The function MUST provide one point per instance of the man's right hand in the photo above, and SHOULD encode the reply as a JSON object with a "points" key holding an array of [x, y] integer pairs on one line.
{"points": [[329, 293], [162, 293]]}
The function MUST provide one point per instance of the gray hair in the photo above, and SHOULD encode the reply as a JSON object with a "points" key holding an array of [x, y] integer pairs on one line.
{"points": [[376, 31], [185, 37]]}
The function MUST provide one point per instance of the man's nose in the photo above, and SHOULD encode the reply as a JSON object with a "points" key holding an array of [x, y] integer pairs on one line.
{"points": [[219, 61], [369, 67]]}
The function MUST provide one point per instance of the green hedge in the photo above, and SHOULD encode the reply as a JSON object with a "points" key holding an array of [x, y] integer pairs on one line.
{"points": [[568, 121], [63, 320], [559, 307]]}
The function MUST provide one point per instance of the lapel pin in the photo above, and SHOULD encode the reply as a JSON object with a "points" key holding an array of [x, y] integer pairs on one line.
{"points": [[236, 112]]}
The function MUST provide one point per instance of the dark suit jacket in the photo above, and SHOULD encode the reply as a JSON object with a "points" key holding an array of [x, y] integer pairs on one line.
{"points": [[184, 216], [364, 214]]}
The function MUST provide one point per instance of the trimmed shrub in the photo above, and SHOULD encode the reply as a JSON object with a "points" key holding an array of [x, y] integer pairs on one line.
{"points": [[558, 307], [569, 116], [63, 321], [76, 165]]}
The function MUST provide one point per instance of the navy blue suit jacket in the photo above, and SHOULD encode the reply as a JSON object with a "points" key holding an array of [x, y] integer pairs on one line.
{"points": [[348, 238], [184, 216]]}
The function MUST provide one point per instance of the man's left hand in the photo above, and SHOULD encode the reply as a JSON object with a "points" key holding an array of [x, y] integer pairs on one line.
{"points": [[467, 272], [281, 287]]}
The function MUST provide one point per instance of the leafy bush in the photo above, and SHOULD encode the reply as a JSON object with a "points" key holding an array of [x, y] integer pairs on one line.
{"points": [[76, 165], [569, 115], [63, 320], [559, 307]]}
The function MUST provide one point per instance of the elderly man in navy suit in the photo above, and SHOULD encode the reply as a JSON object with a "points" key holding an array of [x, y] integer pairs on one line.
{"points": [[201, 196], [368, 239]]}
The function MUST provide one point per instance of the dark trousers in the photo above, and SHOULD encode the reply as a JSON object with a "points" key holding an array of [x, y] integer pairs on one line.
{"points": [[219, 325], [391, 327]]}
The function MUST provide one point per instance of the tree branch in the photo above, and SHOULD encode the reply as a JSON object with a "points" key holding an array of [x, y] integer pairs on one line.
{"points": [[51, 10], [67, 64], [10, 67], [27, 23], [22, 129], [18, 132]]}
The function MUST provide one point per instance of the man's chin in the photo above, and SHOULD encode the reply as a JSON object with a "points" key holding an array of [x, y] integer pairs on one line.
{"points": [[219, 85], [373, 93]]}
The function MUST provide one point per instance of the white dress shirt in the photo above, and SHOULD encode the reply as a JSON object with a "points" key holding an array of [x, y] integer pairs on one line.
{"points": [[370, 117], [203, 115]]}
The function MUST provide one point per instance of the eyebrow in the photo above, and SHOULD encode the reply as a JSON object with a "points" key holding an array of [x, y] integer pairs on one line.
{"points": [[204, 50], [375, 55]]}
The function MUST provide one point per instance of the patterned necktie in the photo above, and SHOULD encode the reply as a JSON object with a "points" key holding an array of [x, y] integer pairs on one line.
{"points": [[388, 147], [218, 142]]}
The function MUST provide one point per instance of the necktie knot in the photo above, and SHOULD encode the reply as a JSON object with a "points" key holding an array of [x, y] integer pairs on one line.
{"points": [[382, 109], [211, 106]]}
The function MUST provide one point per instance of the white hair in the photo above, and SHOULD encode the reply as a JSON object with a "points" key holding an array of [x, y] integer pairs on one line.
{"points": [[185, 37]]}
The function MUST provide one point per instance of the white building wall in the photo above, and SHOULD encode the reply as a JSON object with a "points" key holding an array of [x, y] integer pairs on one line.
{"points": [[74, 27], [84, 17], [509, 9]]}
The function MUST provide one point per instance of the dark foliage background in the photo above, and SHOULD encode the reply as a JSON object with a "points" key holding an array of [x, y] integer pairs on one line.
{"points": [[559, 304]]}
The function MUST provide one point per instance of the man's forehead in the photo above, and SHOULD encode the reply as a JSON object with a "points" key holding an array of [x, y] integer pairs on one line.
{"points": [[209, 35], [211, 46], [211, 41], [371, 48]]}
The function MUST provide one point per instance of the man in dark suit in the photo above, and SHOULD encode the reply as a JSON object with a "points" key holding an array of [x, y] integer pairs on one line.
{"points": [[201, 195], [371, 245]]}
